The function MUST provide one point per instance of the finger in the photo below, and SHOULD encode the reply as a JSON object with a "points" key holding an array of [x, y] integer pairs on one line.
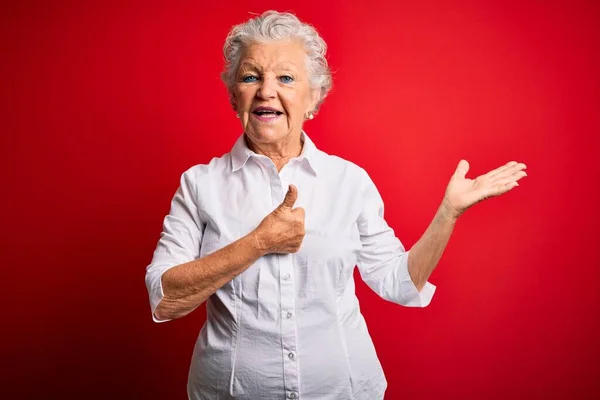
{"points": [[462, 169], [290, 197], [299, 211], [502, 188], [507, 186], [501, 169], [508, 175], [515, 167]]}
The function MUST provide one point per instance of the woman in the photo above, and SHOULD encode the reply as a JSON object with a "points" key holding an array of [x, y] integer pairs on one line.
{"points": [[269, 234]]}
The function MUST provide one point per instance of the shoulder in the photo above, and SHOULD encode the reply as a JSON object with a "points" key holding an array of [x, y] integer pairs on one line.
{"points": [[216, 167], [334, 163], [337, 167]]}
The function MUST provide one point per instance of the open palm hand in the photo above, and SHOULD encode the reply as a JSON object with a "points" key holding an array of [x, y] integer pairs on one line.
{"points": [[462, 192]]}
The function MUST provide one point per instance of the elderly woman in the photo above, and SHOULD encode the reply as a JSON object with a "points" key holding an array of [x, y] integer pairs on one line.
{"points": [[268, 235]]}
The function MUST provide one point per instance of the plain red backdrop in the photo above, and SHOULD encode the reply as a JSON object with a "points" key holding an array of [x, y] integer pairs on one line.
{"points": [[106, 103]]}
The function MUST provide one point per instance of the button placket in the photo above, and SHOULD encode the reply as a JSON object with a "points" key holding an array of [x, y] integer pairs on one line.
{"points": [[288, 324], [287, 298]]}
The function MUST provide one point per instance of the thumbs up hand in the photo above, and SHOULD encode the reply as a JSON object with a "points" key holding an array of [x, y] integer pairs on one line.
{"points": [[282, 231]]}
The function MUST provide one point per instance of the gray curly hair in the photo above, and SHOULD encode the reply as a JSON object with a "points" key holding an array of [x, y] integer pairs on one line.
{"points": [[271, 26]]}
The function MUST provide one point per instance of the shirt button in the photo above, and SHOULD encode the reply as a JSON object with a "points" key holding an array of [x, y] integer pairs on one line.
{"points": [[286, 277], [292, 395], [288, 315], [291, 356]]}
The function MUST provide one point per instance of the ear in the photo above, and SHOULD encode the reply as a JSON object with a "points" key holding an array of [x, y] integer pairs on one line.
{"points": [[314, 98], [233, 101]]}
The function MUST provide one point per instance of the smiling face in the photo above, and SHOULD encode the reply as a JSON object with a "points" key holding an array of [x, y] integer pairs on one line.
{"points": [[272, 93]]}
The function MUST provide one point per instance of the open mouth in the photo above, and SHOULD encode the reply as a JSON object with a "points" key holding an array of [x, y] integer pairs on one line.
{"points": [[266, 113]]}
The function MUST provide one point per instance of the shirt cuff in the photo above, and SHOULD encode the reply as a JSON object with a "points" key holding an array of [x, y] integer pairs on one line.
{"points": [[412, 297], [156, 295]]}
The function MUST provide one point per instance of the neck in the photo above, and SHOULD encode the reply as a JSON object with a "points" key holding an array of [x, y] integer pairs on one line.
{"points": [[280, 153]]}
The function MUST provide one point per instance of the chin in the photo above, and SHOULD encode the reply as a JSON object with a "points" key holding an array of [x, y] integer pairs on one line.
{"points": [[267, 135]]}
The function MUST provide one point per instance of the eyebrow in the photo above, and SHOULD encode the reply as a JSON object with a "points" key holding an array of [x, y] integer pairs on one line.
{"points": [[287, 64], [283, 65], [248, 65]]}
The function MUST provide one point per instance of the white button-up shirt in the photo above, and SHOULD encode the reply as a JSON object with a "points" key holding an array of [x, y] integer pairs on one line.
{"points": [[290, 325]]}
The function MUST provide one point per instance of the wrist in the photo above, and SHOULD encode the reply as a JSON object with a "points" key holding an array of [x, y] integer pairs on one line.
{"points": [[448, 212], [258, 242]]}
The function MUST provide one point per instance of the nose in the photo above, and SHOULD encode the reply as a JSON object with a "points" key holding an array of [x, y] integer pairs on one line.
{"points": [[267, 88]]}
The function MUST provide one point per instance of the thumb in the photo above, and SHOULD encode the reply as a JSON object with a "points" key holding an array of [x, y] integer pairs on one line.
{"points": [[462, 169], [290, 197]]}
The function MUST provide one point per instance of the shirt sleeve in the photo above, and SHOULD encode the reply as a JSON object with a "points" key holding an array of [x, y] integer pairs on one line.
{"points": [[382, 261], [179, 241]]}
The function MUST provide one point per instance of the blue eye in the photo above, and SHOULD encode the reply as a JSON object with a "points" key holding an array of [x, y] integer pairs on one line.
{"points": [[286, 79], [249, 79]]}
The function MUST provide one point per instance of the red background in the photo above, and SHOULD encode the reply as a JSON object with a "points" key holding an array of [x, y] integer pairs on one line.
{"points": [[106, 103]]}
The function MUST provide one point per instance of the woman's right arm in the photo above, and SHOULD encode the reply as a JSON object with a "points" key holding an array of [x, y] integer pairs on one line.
{"points": [[187, 286]]}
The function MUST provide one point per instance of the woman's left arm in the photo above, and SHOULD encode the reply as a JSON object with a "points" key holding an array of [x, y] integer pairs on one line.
{"points": [[427, 251], [461, 194]]}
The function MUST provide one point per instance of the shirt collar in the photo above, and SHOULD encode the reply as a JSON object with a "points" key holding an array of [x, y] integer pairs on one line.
{"points": [[240, 153]]}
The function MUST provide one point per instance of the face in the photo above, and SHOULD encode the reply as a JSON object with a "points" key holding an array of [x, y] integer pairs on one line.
{"points": [[272, 94]]}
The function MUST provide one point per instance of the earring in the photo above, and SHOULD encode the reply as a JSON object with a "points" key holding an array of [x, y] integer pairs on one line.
{"points": [[237, 115], [310, 115]]}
